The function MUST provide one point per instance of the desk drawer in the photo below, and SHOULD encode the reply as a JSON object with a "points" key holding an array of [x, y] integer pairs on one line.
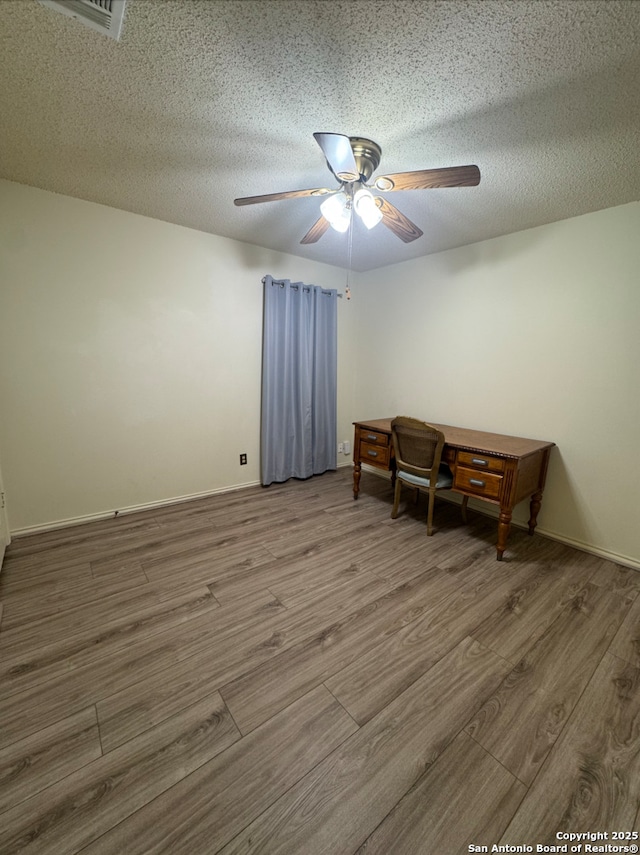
{"points": [[481, 461], [376, 455], [485, 484], [372, 437]]}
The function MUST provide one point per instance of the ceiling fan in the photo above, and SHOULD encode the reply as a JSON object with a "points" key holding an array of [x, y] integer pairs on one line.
{"points": [[353, 160]]}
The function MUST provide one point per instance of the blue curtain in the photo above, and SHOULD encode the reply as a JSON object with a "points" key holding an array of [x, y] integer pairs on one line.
{"points": [[299, 380]]}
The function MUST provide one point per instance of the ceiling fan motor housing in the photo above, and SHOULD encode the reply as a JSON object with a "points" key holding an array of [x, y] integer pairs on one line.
{"points": [[367, 155]]}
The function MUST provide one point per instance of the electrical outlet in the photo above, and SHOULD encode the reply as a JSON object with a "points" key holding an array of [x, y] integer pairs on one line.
{"points": [[340, 448], [346, 446], [243, 459]]}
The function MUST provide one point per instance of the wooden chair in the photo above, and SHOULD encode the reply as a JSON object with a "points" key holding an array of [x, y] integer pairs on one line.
{"points": [[418, 450]]}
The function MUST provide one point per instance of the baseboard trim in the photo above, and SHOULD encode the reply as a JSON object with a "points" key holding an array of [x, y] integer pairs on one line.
{"points": [[131, 509], [609, 555], [481, 508], [491, 511], [583, 546]]}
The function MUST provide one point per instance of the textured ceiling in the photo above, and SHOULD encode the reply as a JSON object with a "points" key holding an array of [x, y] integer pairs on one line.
{"points": [[202, 101]]}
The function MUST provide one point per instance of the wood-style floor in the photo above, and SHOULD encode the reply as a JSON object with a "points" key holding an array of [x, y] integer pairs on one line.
{"points": [[285, 670]]}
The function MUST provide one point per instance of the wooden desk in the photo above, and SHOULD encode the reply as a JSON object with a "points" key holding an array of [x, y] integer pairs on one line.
{"points": [[499, 469]]}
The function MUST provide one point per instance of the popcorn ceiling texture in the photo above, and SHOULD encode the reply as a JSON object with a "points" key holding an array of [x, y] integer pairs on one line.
{"points": [[205, 100]]}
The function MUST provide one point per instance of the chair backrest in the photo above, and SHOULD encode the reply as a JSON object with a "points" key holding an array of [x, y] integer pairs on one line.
{"points": [[417, 445]]}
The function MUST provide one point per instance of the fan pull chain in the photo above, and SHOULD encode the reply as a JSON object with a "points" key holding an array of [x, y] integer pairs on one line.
{"points": [[347, 290]]}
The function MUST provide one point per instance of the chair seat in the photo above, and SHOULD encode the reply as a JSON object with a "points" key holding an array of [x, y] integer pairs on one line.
{"points": [[418, 450], [445, 479]]}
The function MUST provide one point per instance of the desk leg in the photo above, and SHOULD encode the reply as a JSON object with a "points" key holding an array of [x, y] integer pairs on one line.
{"points": [[357, 469], [504, 527], [536, 498], [534, 510]]}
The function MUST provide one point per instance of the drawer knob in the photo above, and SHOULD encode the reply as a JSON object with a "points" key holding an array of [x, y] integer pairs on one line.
{"points": [[372, 436], [479, 461], [372, 453], [476, 482]]}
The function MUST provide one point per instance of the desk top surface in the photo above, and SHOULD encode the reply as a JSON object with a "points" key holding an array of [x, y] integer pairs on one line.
{"points": [[473, 440]]}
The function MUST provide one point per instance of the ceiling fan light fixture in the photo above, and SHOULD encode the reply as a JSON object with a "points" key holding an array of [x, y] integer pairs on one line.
{"points": [[337, 212], [366, 208], [353, 161]]}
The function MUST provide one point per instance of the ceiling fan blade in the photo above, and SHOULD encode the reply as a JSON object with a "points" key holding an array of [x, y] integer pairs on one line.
{"points": [[427, 179], [337, 149], [275, 197], [316, 231], [396, 221]]}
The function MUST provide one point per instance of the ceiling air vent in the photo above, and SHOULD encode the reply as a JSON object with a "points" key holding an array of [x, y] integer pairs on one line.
{"points": [[105, 16]]}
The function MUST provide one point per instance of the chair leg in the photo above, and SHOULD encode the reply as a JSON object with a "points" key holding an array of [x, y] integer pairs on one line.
{"points": [[396, 499], [432, 496], [463, 509], [417, 498]]}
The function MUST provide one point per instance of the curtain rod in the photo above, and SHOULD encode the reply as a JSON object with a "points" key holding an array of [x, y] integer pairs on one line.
{"points": [[338, 294]]}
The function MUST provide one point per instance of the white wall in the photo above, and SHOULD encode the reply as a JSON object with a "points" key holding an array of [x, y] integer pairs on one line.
{"points": [[5, 536], [534, 334], [130, 354], [130, 357]]}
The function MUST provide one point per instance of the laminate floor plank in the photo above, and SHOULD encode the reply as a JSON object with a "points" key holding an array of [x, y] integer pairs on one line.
{"points": [[143, 703], [47, 546], [465, 798], [235, 579], [202, 510], [18, 577], [84, 619], [212, 511], [616, 578], [533, 606], [302, 589], [251, 523], [44, 704], [114, 568], [88, 548], [199, 560], [520, 723], [176, 548], [163, 542], [205, 505], [405, 552], [368, 683], [291, 524], [336, 559], [55, 597], [316, 541], [213, 804], [19, 672], [343, 517], [464, 553], [626, 644], [128, 711], [299, 512], [446, 523], [79, 808], [258, 694], [205, 572], [386, 680], [34, 763], [591, 780], [337, 805]]}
